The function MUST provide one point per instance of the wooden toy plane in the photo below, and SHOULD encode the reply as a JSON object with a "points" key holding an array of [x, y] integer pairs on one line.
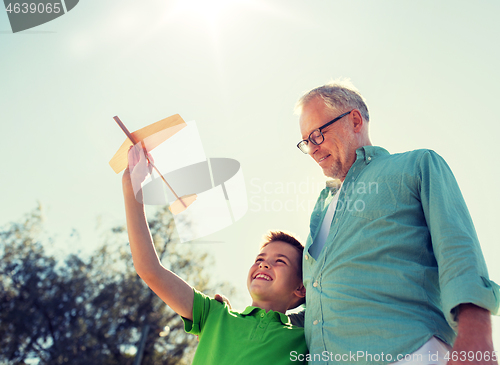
{"points": [[150, 137]]}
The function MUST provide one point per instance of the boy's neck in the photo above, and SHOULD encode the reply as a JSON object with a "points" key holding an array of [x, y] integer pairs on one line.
{"points": [[267, 306]]}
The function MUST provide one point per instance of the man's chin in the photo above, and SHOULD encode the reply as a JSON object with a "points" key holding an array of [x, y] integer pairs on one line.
{"points": [[333, 173], [328, 172]]}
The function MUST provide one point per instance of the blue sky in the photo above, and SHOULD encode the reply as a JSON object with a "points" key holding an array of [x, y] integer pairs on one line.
{"points": [[428, 70]]}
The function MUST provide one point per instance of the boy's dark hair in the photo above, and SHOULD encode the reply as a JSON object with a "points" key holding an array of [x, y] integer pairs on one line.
{"points": [[273, 236]]}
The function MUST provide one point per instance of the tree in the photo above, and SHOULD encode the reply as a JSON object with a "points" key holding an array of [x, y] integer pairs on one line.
{"points": [[91, 310]]}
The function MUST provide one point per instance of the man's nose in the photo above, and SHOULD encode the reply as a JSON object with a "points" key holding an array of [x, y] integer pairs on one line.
{"points": [[312, 148]]}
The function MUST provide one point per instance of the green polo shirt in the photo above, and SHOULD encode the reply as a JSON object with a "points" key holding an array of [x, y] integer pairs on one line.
{"points": [[249, 337]]}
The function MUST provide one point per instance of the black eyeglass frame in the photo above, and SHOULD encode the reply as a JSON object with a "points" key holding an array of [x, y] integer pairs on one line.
{"points": [[306, 141]]}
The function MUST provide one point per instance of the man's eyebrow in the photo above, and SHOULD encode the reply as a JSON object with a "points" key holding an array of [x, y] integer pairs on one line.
{"points": [[306, 137]]}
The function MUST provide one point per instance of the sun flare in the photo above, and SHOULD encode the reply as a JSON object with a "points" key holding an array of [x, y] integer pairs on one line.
{"points": [[210, 10]]}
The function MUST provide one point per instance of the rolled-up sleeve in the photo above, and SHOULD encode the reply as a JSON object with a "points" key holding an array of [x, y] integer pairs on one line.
{"points": [[463, 276]]}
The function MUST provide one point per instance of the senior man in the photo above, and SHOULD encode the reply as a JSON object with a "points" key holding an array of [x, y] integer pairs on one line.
{"points": [[392, 264]]}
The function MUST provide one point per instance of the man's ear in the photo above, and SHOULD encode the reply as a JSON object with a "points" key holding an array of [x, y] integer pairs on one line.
{"points": [[357, 120], [300, 291]]}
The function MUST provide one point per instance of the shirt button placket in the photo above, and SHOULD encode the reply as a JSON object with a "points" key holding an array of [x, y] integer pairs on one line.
{"points": [[262, 324]]}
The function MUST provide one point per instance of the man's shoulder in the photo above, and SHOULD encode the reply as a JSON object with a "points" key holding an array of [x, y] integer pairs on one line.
{"points": [[414, 156], [418, 153], [408, 163]]}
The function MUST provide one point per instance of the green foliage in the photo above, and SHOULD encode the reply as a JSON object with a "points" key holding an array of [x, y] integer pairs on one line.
{"points": [[91, 311]]}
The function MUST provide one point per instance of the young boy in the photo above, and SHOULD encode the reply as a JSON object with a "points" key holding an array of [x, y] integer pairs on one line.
{"points": [[262, 333]]}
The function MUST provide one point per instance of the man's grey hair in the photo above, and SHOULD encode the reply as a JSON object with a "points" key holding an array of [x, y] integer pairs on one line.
{"points": [[339, 96]]}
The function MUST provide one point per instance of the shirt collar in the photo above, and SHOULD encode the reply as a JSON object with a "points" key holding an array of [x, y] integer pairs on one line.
{"points": [[366, 153], [369, 153], [333, 185], [254, 310]]}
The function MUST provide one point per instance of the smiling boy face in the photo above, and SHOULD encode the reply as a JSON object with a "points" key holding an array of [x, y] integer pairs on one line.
{"points": [[275, 276]]}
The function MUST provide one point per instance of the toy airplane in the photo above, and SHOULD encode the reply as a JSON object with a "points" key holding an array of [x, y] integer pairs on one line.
{"points": [[150, 137]]}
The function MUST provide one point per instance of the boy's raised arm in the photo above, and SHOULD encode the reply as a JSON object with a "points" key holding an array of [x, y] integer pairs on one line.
{"points": [[174, 291]]}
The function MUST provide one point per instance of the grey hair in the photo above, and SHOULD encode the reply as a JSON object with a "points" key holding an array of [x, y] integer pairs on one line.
{"points": [[338, 95]]}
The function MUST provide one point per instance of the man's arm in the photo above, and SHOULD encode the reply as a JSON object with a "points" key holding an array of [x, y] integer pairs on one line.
{"points": [[463, 276], [474, 342], [174, 291]]}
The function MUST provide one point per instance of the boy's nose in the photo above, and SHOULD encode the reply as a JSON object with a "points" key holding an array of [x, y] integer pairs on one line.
{"points": [[264, 264]]}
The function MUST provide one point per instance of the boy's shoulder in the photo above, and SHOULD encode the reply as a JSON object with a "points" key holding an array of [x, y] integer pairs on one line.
{"points": [[225, 333], [205, 306]]}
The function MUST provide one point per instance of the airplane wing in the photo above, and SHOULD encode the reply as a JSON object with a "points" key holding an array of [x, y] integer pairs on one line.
{"points": [[153, 135]]}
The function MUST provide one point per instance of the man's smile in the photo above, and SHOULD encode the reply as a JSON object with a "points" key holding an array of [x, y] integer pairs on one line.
{"points": [[323, 158]]}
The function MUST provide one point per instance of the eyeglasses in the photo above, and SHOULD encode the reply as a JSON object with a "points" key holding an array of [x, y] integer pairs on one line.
{"points": [[316, 137]]}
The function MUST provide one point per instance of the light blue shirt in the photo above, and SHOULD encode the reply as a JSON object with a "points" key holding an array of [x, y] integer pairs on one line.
{"points": [[401, 254]]}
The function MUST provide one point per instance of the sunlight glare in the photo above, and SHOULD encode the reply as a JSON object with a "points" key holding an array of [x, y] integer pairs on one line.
{"points": [[210, 10]]}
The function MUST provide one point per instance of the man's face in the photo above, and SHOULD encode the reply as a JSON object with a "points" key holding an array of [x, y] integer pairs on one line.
{"points": [[275, 273], [336, 154]]}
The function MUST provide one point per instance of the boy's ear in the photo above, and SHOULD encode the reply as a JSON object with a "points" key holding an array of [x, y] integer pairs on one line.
{"points": [[300, 291]]}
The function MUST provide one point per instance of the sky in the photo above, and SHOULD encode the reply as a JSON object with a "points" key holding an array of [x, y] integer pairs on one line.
{"points": [[428, 71]]}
